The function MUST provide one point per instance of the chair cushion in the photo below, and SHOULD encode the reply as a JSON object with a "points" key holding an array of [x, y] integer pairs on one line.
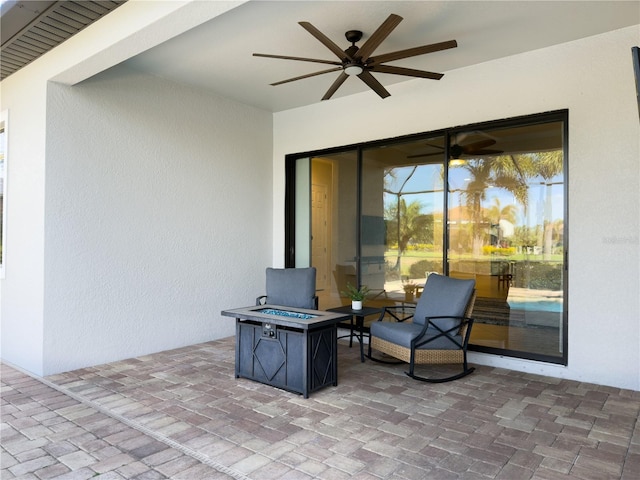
{"points": [[443, 296], [291, 287], [402, 334]]}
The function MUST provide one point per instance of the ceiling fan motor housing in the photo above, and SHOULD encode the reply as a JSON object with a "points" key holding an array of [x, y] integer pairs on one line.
{"points": [[456, 151], [353, 36]]}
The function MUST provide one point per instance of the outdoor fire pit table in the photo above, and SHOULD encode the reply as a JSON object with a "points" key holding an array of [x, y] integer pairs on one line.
{"points": [[295, 349]]}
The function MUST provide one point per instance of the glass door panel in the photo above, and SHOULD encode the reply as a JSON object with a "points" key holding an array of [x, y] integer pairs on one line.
{"points": [[401, 237], [334, 193], [506, 230]]}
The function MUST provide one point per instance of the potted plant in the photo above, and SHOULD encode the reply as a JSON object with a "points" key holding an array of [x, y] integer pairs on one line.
{"points": [[409, 291], [357, 295]]}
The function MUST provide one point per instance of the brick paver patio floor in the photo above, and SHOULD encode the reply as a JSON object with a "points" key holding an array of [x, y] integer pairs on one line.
{"points": [[182, 414]]}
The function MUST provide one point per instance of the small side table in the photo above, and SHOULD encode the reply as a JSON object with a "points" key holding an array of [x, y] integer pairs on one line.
{"points": [[358, 315]]}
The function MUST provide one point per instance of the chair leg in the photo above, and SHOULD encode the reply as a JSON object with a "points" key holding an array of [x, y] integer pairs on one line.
{"points": [[369, 355], [388, 362], [465, 371]]}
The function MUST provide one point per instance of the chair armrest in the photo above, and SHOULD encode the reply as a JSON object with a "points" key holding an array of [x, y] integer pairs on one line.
{"points": [[392, 310], [373, 294], [444, 333], [261, 300]]}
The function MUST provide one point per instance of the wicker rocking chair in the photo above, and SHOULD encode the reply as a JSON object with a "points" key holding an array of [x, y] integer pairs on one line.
{"points": [[435, 331]]}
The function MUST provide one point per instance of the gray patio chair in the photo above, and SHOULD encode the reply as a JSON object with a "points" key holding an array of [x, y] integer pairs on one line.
{"points": [[434, 331], [290, 287]]}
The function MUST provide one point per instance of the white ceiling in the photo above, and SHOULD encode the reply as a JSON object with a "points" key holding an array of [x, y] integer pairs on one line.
{"points": [[218, 54]]}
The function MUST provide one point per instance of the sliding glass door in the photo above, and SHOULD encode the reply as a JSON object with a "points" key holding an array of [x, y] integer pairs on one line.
{"points": [[486, 202]]}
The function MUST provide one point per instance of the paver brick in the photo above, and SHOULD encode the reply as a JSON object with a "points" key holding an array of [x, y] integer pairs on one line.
{"points": [[30, 466], [77, 460], [112, 462], [52, 471], [177, 465]]}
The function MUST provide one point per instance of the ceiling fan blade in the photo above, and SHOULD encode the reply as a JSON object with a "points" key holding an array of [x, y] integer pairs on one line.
{"points": [[301, 59], [434, 146], [484, 152], [373, 84], [421, 155], [409, 72], [412, 52], [480, 144], [326, 41], [378, 36], [306, 76], [335, 85]]}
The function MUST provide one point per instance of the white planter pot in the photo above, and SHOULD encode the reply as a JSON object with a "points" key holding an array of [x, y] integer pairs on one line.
{"points": [[356, 304]]}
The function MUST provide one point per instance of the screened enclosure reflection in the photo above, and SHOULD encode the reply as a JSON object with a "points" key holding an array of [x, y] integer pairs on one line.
{"points": [[404, 190]]}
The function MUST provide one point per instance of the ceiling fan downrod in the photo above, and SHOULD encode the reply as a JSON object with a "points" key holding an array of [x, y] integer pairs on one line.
{"points": [[352, 66]]}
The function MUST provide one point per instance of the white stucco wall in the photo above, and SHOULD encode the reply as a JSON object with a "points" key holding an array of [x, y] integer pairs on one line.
{"points": [[132, 28], [157, 216], [593, 78]]}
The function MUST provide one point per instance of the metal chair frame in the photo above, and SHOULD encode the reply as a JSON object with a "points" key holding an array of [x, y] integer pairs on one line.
{"points": [[415, 355]]}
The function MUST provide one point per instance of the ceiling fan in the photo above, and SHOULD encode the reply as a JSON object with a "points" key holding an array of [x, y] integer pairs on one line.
{"points": [[358, 60], [456, 151]]}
